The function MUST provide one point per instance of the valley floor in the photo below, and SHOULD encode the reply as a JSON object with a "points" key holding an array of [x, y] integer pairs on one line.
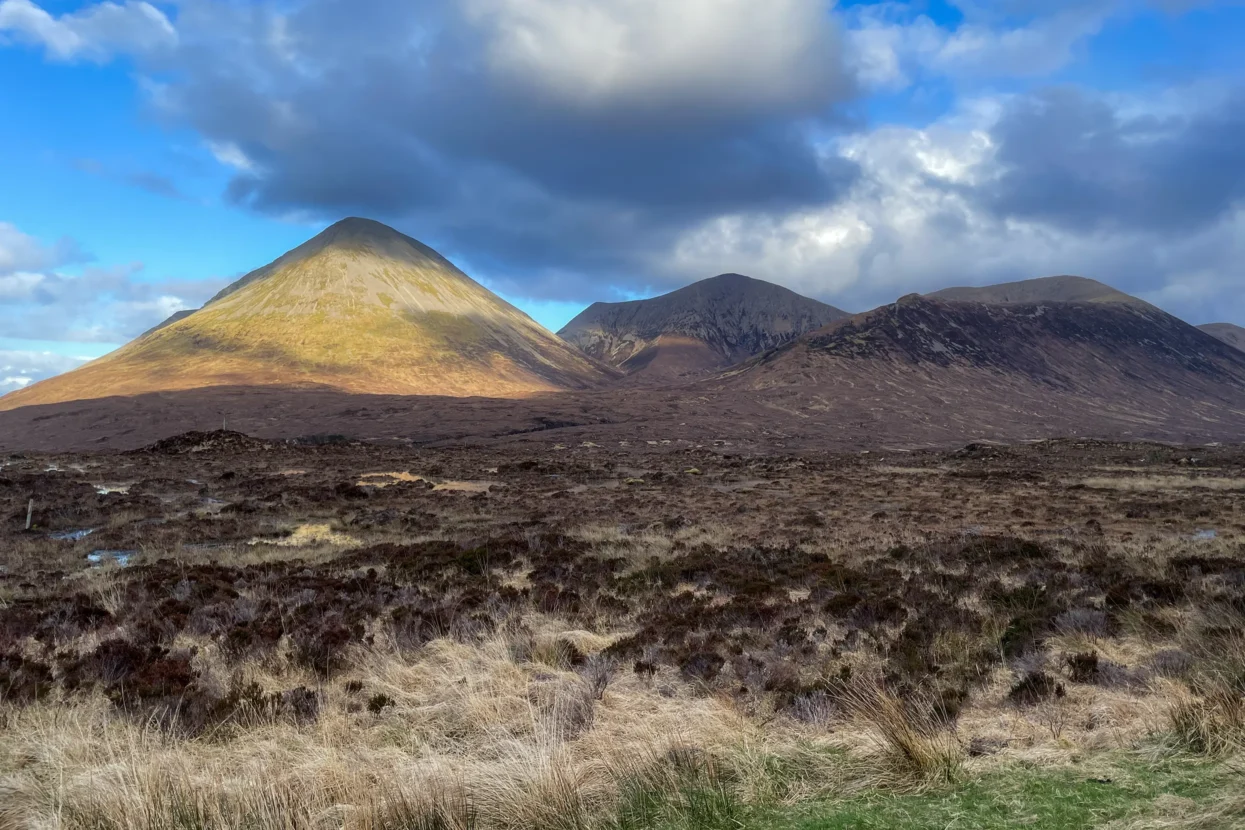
{"points": [[224, 632]]}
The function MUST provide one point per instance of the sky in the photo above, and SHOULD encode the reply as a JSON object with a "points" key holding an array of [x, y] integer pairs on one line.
{"points": [[568, 151]]}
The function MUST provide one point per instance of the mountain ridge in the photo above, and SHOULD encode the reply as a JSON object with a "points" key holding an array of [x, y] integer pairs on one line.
{"points": [[1060, 289]]}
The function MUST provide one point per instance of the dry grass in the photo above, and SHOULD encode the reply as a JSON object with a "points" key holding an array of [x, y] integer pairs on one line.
{"points": [[466, 735], [910, 751], [1176, 813]]}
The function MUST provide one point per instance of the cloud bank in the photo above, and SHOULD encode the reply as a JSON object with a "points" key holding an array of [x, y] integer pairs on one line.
{"points": [[567, 149]]}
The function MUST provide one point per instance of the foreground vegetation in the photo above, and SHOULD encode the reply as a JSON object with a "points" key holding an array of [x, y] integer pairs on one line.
{"points": [[322, 637]]}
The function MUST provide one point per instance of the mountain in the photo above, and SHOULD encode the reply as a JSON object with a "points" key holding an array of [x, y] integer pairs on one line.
{"points": [[931, 367], [1232, 335], [916, 373], [708, 325], [1063, 289], [359, 308]]}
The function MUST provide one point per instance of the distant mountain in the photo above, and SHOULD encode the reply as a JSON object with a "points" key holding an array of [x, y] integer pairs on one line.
{"points": [[961, 368], [916, 373], [359, 308], [1227, 332], [1064, 289], [708, 325]]}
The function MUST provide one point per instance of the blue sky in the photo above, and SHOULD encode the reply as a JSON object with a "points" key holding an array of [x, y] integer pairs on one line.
{"points": [[563, 151]]}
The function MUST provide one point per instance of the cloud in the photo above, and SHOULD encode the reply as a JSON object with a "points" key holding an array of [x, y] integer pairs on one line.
{"points": [[148, 180], [936, 206], [95, 32], [657, 54], [893, 46], [154, 183], [22, 368], [536, 138], [19, 252], [100, 305], [1069, 159], [569, 148]]}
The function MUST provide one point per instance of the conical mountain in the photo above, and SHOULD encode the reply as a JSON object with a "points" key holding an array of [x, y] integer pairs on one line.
{"points": [[707, 325], [359, 308]]}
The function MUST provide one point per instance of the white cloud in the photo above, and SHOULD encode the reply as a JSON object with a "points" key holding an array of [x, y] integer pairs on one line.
{"points": [[22, 368], [99, 305], [912, 224], [20, 252], [95, 32], [230, 155], [890, 47], [655, 53]]}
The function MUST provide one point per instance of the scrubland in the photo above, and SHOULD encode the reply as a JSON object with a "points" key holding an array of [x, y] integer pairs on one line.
{"points": [[326, 635]]}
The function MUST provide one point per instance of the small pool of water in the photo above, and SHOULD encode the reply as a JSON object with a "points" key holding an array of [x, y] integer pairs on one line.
{"points": [[106, 557], [71, 535], [1206, 535]]}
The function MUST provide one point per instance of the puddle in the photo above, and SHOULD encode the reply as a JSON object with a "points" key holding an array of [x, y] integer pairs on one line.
{"points": [[71, 535], [105, 489], [106, 557], [1206, 535]]}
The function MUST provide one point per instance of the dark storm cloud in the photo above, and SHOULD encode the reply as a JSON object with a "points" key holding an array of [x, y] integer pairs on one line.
{"points": [[1072, 161], [426, 120]]}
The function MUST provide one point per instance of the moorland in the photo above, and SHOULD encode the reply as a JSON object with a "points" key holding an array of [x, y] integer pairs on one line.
{"points": [[221, 631]]}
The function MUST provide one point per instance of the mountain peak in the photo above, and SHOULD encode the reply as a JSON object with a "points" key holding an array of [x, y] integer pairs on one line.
{"points": [[354, 229], [709, 324]]}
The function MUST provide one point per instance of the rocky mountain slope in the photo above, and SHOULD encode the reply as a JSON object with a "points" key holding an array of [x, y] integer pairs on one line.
{"points": [[1231, 334], [708, 325], [359, 308], [1083, 368]]}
